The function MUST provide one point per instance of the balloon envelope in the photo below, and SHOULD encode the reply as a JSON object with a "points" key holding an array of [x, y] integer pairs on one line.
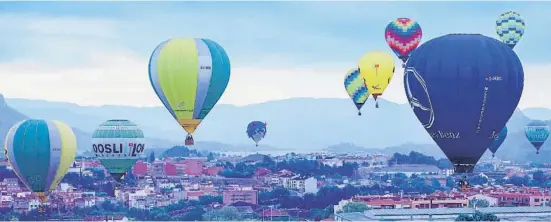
{"points": [[356, 88], [118, 144], [403, 35], [510, 28], [189, 76], [463, 88], [377, 68], [256, 130], [40, 153], [537, 133], [498, 140]]}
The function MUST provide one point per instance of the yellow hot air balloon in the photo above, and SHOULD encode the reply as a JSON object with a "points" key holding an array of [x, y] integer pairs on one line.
{"points": [[377, 68], [189, 76]]}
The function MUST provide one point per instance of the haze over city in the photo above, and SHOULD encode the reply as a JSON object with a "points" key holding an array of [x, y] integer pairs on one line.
{"points": [[109, 111], [96, 53]]}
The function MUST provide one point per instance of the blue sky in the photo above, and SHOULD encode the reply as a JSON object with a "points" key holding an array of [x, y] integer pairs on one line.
{"points": [[284, 42]]}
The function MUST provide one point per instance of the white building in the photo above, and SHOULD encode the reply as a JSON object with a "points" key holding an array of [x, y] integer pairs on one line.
{"points": [[311, 185], [492, 201]]}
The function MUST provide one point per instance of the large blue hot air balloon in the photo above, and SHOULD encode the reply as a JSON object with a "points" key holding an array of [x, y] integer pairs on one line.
{"points": [[498, 140], [256, 130], [463, 88], [537, 133]]}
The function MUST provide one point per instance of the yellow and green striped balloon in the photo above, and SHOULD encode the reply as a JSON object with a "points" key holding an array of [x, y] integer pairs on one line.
{"points": [[356, 88], [40, 153], [189, 76], [510, 28]]}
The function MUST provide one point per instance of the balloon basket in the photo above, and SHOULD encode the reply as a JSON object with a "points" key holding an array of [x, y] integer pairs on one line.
{"points": [[359, 113], [189, 141]]}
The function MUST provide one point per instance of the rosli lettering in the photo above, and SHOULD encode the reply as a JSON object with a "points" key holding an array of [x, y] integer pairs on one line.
{"points": [[107, 148]]}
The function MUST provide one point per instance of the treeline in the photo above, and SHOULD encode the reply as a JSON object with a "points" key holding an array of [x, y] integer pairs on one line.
{"points": [[419, 158], [299, 166]]}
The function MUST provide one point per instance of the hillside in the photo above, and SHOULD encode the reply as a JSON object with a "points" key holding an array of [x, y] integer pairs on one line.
{"points": [[299, 125], [10, 116]]}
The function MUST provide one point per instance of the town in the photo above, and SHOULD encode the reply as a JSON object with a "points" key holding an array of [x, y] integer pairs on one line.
{"points": [[315, 186]]}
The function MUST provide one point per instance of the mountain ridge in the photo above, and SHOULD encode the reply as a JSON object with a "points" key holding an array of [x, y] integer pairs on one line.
{"points": [[297, 124]]}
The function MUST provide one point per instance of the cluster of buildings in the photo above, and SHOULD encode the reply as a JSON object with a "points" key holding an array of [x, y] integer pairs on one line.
{"points": [[168, 181]]}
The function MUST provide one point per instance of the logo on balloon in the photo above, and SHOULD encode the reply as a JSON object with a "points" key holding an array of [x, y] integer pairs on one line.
{"points": [[135, 148], [421, 104]]}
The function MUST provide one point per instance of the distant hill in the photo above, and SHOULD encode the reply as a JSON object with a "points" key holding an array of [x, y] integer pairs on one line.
{"points": [[537, 113], [294, 125], [10, 116]]}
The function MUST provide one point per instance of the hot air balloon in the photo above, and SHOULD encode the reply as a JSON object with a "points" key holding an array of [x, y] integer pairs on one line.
{"points": [[356, 88], [537, 133], [377, 69], [189, 76], [403, 35], [510, 28], [40, 152], [118, 144], [256, 130], [498, 140], [463, 93]]}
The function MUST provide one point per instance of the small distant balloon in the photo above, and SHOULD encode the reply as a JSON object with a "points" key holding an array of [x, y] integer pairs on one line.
{"points": [[256, 130], [356, 88], [537, 133], [510, 28], [403, 35]]}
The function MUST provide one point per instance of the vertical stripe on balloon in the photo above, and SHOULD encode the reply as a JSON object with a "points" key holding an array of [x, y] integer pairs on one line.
{"points": [[220, 76], [154, 77], [68, 151], [204, 76], [55, 152], [176, 60]]}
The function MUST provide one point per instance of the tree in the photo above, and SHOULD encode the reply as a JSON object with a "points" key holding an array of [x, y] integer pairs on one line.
{"points": [[450, 182], [435, 183], [479, 203], [208, 199], [151, 158], [464, 217], [223, 214], [210, 157], [540, 177], [354, 207], [477, 216]]}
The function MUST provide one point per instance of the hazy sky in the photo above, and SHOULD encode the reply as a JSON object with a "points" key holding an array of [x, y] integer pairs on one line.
{"points": [[97, 53]]}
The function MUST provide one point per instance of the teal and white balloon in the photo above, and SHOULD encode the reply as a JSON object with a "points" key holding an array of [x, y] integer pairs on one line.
{"points": [[118, 144]]}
